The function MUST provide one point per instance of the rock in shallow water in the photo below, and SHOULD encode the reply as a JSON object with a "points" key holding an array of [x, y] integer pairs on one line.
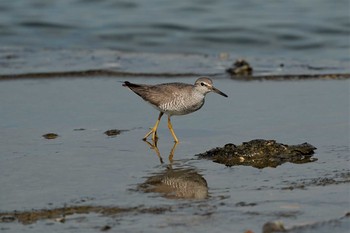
{"points": [[50, 136], [240, 67], [260, 153]]}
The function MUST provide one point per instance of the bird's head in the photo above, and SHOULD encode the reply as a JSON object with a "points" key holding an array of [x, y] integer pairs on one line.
{"points": [[205, 85]]}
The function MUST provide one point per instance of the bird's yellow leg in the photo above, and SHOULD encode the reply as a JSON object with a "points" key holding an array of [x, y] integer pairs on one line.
{"points": [[155, 148], [171, 130], [171, 154], [154, 129]]}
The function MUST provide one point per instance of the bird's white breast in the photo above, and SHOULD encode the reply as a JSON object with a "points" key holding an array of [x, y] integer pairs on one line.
{"points": [[182, 105]]}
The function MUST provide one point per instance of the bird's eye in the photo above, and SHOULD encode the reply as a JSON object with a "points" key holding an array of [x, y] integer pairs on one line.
{"points": [[202, 84]]}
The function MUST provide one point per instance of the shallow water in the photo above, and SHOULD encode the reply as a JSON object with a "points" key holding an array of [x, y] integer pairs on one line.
{"points": [[46, 45], [86, 167], [307, 30]]}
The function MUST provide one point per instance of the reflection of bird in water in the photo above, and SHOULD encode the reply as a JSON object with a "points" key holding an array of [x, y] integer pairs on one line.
{"points": [[155, 148], [177, 184], [174, 99]]}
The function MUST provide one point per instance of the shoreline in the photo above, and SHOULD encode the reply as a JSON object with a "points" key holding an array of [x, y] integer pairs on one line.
{"points": [[111, 73]]}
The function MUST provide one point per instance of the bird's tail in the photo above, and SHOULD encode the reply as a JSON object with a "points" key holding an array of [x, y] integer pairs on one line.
{"points": [[129, 84]]}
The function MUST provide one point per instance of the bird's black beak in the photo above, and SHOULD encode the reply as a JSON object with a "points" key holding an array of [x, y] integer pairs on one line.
{"points": [[218, 92]]}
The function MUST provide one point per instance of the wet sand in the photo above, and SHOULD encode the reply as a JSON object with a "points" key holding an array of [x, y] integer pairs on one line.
{"points": [[85, 180]]}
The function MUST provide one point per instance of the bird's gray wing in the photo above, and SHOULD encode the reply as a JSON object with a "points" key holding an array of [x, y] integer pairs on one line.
{"points": [[156, 94]]}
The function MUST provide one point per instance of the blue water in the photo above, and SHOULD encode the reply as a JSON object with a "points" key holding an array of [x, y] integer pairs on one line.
{"points": [[315, 29]]}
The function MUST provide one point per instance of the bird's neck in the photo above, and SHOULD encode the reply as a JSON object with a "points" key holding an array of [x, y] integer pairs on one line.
{"points": [[198, 95]]}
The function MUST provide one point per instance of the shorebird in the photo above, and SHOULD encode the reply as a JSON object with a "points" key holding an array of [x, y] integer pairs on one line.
{"points": [[173, 99]]}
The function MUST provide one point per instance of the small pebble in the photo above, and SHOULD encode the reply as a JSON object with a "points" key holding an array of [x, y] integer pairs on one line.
{"points": [[112, 132], [106, 228], [271, 227], [50, 136]]}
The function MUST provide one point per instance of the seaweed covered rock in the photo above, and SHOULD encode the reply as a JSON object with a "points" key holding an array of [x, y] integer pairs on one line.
{"points": [[240, 68], [260, 153]]}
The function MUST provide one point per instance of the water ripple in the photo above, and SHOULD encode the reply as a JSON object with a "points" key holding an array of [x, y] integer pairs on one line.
{"points": [[248, 28]]}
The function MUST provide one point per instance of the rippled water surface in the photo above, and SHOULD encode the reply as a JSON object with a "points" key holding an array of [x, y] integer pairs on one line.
{"points": [[312, 29]]}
